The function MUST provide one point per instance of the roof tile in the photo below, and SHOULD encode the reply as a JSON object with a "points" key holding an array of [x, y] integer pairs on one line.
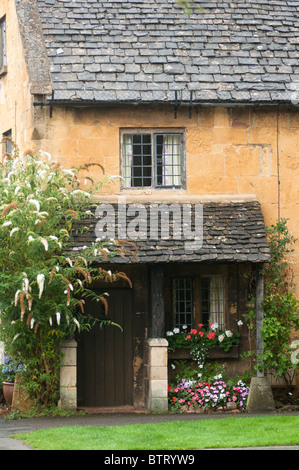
{"points": [[164, 44]]}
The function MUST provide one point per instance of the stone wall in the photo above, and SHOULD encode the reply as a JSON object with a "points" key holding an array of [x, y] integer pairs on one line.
{"points": [[15, 96], [227, 151]]}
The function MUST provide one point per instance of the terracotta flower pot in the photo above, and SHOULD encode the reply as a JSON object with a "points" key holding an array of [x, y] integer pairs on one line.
{"points": [[8, 389]]}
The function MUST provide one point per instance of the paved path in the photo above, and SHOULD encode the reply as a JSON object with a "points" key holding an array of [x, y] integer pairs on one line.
{"points": [[10, 427]]}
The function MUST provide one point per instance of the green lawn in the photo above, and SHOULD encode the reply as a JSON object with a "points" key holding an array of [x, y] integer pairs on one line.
{"points": [[178, 435]]}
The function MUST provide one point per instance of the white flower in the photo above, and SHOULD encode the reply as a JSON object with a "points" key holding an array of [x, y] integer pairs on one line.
{"points": [[17, 296], [40, 281], [43, 214], [31, 323], [50, 321], [214, 326], [69, 172], [184, 327], [221, 338], [229, 333], [77, 323], [6, 224], [69, 261], [16, 229], [176, 331], [169, 333], [44, 242], [58, 316], [172, 366], [36, 203], [240, 323], [26, 284], [47, 154]]}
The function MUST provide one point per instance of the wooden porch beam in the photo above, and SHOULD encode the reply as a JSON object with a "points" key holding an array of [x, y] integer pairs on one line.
{"points": [[259, 316], [157, 310]]}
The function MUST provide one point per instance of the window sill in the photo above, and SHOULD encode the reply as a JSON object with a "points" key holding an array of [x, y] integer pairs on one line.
{"points": [[3, 71], [215, 353]]}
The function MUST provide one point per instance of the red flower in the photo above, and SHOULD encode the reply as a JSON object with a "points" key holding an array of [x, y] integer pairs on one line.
{"points": [[193, 332], [169, 388], [174, 399], [200, 325], [188, 337], [211, 335], [200, 333]]}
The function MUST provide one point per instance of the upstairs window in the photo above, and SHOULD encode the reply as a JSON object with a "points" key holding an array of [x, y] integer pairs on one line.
{"points": [[2, 43], [7, 141], [152, 159]]}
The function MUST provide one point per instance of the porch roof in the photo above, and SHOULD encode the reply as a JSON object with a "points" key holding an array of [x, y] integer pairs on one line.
{"points": [[233, 231], [147, 50]]}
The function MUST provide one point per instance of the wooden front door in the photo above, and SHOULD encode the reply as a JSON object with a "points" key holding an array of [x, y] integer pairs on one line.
{"points": [[105, 356]]}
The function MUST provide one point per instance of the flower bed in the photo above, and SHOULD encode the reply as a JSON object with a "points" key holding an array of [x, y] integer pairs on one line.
{"points": [[196, 396]]}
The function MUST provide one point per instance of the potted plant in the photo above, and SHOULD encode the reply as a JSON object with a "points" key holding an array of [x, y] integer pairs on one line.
{"points": [[8, 372]]}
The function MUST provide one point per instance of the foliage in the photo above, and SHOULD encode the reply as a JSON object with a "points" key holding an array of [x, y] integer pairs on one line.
{"points": [[280, 307], [9, 369], [200, 341], [44, 283]]}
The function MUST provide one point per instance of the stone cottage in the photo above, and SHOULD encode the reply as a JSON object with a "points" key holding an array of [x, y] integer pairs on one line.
{"points": [[187, 112]]}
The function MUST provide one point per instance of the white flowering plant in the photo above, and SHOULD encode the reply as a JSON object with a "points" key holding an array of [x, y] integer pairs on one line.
{"points": [[195, 395], [44, 283], [200, 341], [209, 337]]}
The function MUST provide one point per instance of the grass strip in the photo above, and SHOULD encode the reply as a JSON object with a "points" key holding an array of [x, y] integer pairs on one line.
{"points": [[178, 435]]}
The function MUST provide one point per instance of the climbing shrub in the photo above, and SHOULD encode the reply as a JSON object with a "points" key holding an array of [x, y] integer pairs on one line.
{"points": [[281, 308]]}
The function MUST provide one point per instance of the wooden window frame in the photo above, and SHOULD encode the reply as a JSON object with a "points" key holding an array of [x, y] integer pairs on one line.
{"points": [[197, 299], [153, 132], [3, 56], [7, 144]]}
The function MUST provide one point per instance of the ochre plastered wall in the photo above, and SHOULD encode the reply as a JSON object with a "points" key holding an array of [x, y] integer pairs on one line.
{"points": [[228, 150], [15, 97]]}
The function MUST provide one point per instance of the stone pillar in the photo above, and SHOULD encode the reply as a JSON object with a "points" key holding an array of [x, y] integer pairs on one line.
{"points": [[260, 397], [68, 376], [156, 378]]}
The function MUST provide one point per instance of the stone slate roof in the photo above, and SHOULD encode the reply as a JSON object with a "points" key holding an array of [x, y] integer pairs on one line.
{"points": [[241, 51], [232, 232]]}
